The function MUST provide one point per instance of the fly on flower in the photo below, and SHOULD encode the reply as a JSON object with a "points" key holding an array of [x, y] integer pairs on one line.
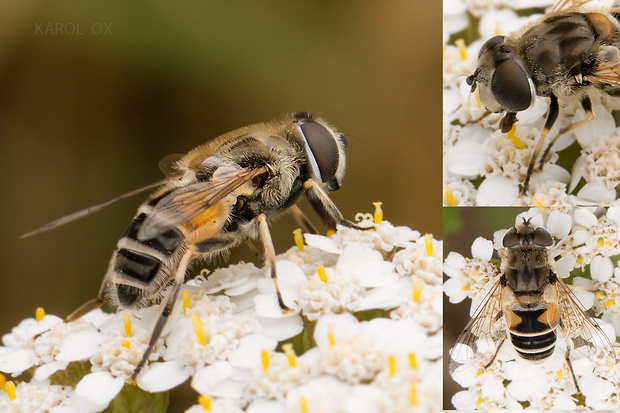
{"points": [[571, 54], [219, 195], [528, 304]]}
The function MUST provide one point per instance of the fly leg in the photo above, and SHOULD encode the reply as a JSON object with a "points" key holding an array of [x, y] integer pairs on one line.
{"points": [[326, 208], [303, 220], [552, 116], [586, 104], [85, 308], [270, 258], [572, 372], [168, 307]]}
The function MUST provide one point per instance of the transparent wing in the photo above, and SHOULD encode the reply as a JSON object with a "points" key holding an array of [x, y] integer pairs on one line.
{"points": [[184, 204], [94, 208], [582, 332], [607, 71], [564, 6], [481, 338]]}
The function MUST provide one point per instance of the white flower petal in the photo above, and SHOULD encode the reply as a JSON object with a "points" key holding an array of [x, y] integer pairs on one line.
{"points": [[17, 361], [322, 243], [336, 324], [46, 370], [559, 224], [216, 380], [601, 268], [79, 346], [98, 389], [597, 192], [497, 192], [248, 354], [585, 217], [162, 376], [282, 328], [482, 249]]}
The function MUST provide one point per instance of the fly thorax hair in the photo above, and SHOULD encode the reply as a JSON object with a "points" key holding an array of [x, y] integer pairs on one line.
{"points": [[284, 170]]}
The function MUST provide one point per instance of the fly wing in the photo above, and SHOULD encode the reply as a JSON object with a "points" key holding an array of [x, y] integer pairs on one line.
{"points": [[185, 203], [564, 6], [607, 70], [582, 333], [481, 338]]}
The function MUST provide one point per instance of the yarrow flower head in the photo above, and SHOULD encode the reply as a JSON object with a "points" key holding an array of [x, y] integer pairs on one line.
{"points": [[485, 166], [366, 320], [496, 377]]}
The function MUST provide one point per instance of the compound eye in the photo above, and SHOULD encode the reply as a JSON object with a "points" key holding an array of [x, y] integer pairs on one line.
{"points": [[511, 238], [324, 148], [511, 86], [542, 237]]}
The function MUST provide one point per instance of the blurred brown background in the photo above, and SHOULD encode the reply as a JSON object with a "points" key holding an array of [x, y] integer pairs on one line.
{"points": [[94, 93]]}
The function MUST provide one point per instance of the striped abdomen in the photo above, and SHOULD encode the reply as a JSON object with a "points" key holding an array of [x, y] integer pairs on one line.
{"points": [[140, 270], [531, 334]]}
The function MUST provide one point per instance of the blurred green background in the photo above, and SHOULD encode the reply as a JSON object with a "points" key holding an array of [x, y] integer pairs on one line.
{"points": [[95, 93]]}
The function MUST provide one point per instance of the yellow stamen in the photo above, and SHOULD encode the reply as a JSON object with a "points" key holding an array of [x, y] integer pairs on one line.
{"points": [[264, 355], [392, 365], [205, 402], [413, 361], [477, 95], [513, 138], [322, 273], [428, 240], [290, 353], [559, 374], [126, 343], [299, 239], [199, 329], [330, 232], [579, 261], [186, 300], [303, 404], [9, 388], [610, 303], [39, 313], [460, 43], [599, 294], [378, 215], [413, 396], [479, 372], [418, 285], [497, 30], [466, 287], [127, 324], [331, 337], [2, 381], [599, 243], [449, 196], [479, 402]]}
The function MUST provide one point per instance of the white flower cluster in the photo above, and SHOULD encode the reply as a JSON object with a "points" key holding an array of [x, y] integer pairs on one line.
{"points": [[475, 149], [367, 318], [588, 240]]}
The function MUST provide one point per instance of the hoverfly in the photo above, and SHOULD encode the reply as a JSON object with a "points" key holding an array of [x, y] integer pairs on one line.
{"points": [[219, 195], [528, 305], [569, 54]]}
